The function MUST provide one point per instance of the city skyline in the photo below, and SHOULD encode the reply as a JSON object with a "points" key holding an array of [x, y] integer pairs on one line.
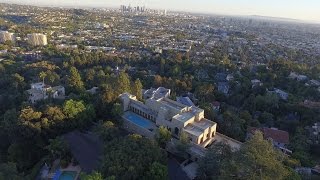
{"points": [[294, 9]]}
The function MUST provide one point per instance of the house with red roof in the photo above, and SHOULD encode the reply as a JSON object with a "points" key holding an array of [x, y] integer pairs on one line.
{"points": [[279, 138]]}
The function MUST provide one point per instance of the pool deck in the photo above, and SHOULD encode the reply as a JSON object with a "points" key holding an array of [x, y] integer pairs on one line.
{"points": [[148, 123], [133, 127]]}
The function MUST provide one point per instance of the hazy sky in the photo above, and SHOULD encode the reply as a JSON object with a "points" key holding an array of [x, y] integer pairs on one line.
{"points": [[297, 9]]}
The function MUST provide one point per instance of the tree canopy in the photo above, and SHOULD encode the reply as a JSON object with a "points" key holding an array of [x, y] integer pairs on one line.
{"points": [[131, 157]]}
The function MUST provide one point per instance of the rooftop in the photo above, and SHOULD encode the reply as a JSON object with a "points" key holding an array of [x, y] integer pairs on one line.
{"points": [[173, 104], [184, 117], [57, 88], [275, 134], [185, 100], [204, 123], [158, 93], [35, 91], [234, 144], [193, 130]]}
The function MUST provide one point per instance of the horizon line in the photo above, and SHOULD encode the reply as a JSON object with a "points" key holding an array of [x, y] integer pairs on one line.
{"points": [[278, 18]]}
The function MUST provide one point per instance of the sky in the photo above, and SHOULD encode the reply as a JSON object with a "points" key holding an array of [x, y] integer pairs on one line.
{"points": [[296, 9]]}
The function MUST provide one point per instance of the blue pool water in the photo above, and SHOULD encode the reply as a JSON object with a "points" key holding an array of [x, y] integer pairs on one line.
{"points": [[138, 120], [68, 175]]}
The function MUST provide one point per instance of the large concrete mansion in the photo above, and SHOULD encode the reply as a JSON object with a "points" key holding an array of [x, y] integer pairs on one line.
{"points": [[159, 110]]}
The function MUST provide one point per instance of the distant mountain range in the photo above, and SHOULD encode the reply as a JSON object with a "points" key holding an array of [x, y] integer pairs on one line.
{"points": [[270, 18]]}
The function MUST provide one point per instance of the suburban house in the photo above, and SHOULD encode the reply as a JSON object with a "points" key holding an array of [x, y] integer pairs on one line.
{"points": [[298, 77], [315, 83], [256, 83], [93, 90], [159, 110], [315, 133], [279, 138], [310, 104], [230, 77], [41, 91], [283, 95], [293, 75]]}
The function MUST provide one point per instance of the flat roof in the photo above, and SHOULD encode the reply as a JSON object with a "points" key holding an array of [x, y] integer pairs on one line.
{"points": [[184, 117], [57, 88], [35, 91], [193, 130], [196, 109], [173, 104], [204, 123], [234, 144]]}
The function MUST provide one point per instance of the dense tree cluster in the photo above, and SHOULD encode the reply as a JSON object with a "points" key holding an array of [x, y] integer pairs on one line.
{"points": [[33, 128], [131, 157], [257, 159]]}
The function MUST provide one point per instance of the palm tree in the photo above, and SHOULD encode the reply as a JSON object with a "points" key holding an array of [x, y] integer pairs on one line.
{"points": [[42, 76]]}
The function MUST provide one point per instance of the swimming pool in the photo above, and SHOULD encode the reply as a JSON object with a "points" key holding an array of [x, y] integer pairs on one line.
{"points": [[138, 120], [68, 175]]}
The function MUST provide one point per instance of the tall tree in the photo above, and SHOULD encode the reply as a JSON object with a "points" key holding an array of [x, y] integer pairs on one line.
{"points": [[9, 171], [157, 81], [57, 148], [157, 171], [257, 159], [214, 161], [205, 92], [54, 114], [130, 157], [42, 75], [137, 89], [123, 83], [162, 66], [17, 81], [52, 77], [29, 123], [74, 81], [72, 108], [163, 136]]}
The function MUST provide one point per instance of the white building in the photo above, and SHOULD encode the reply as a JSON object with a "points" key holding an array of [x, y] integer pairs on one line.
{"points": [[6, 36], [37, 39], [40, 91], [256, 83], [315, 83], [298, 77], [158, 93], [281, 94]]}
